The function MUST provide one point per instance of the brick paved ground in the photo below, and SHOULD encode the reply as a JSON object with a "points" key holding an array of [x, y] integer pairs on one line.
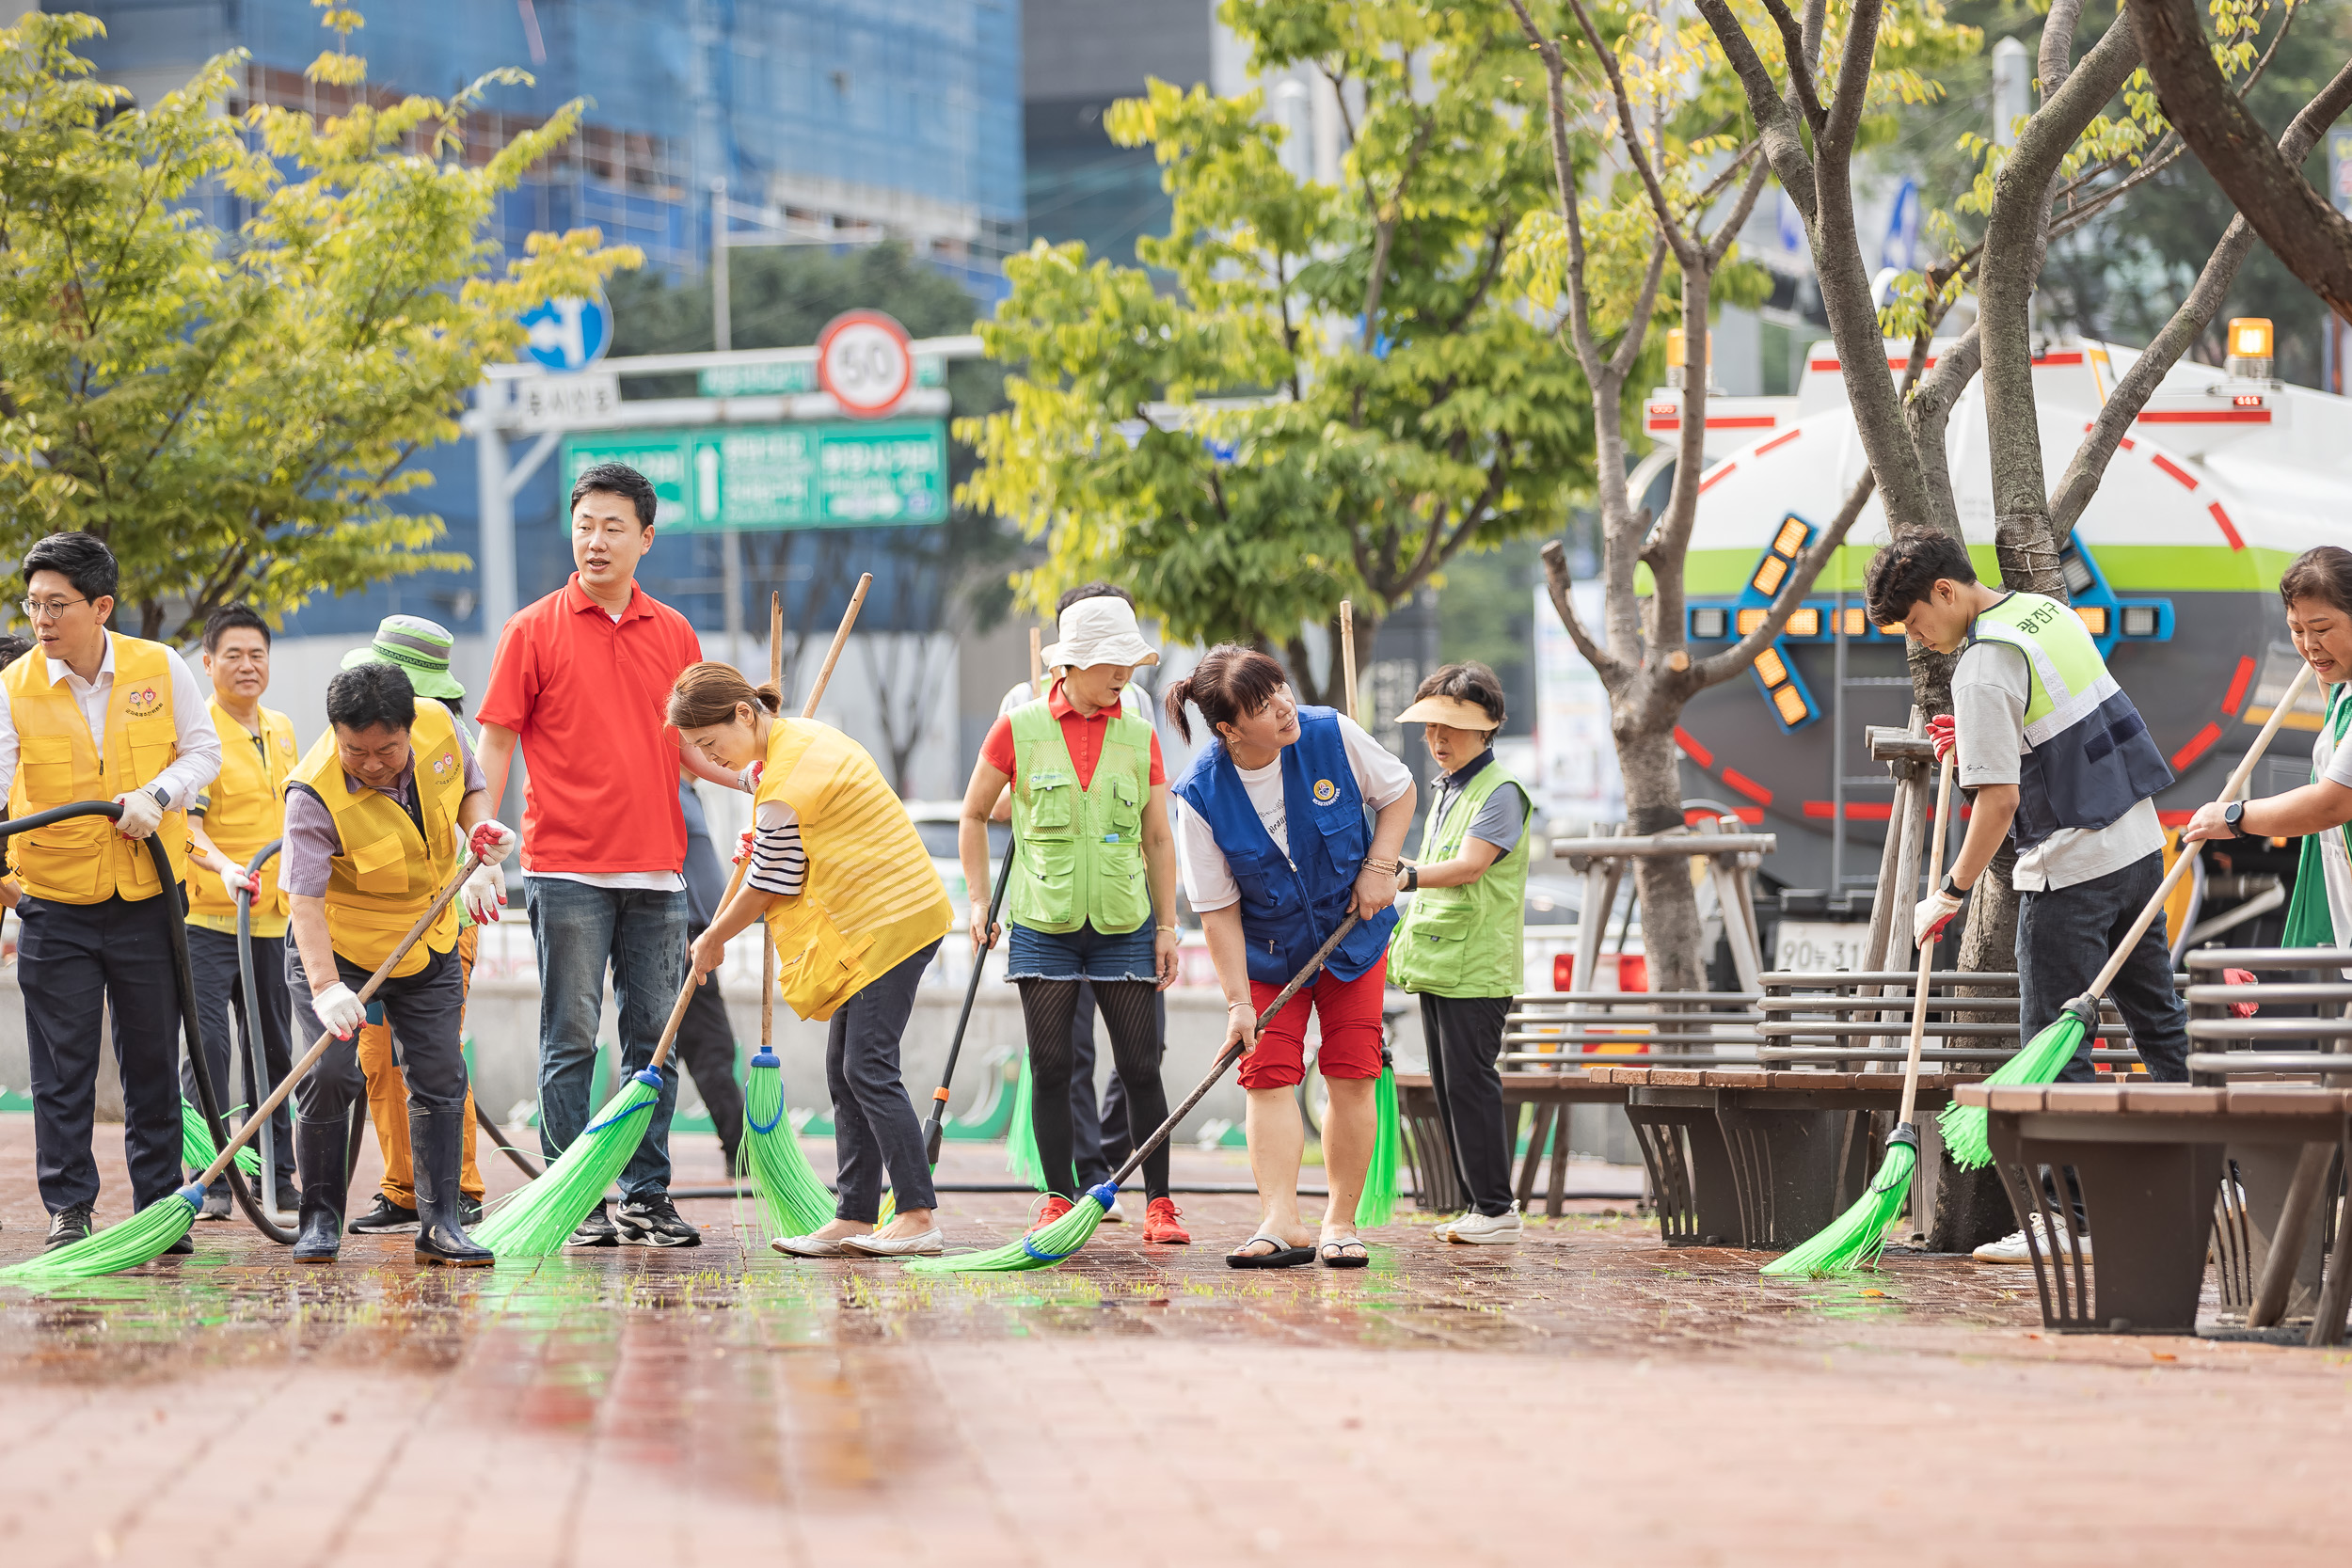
{"points": [[1589, 1398]]}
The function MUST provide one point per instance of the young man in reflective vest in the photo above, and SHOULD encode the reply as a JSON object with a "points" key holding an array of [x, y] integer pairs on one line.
{"points": [[2062, 766], [377, 817], [241, 813], [92, 715]]}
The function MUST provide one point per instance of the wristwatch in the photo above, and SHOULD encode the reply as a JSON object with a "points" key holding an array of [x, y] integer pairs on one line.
{"points": [[160, 796], [2233, 815], [1951, 888], [1412, 878]]}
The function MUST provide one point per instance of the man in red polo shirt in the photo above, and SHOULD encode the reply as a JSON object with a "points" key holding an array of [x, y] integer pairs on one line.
{"points": [[580, 681]]}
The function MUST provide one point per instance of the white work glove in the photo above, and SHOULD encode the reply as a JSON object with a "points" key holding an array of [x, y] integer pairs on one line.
{"points": [[749, 778], [236, 878], [140, 813], [1935, 912], [340, 1010], [485, 893], [492, 841]]}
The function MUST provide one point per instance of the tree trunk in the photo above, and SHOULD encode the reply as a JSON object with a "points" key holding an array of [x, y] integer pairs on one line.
{"points": [[1670, 908]]}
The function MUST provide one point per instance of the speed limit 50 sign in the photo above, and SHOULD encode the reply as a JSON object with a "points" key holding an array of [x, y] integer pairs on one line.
{"points": [[863, 360]]}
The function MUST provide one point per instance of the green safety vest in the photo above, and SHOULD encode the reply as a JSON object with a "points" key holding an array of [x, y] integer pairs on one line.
{"points": [[1078, 853], [1465, 941]]}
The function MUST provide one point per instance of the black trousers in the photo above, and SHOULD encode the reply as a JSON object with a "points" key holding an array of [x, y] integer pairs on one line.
{"points": [[427, 1012], [1100, 1144], [706, 1043], [1464, 1034], [74, 961], [221, 1013]]}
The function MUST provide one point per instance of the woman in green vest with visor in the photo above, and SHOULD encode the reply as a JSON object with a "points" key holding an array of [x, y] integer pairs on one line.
{"points": [[1092, 896], [1458, 947]]}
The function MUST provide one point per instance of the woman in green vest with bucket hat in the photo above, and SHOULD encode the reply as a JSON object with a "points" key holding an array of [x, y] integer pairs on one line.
{"points": [[1092, 892], [1458, 947]]}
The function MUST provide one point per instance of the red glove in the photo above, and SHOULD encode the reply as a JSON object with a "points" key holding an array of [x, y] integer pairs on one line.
{"points": [[2241, 977], [1939, 731], [743, 847], [492, 841]]}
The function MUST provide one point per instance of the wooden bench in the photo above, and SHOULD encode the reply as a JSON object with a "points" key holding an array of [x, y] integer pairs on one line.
{"points": [[1760, 1157], [1438, 1183], [2146, 1160]]}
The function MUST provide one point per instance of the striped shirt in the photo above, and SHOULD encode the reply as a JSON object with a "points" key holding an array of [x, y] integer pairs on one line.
{"points": [[779, 863]]}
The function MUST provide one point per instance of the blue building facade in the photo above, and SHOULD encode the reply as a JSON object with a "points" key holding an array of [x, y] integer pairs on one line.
{"points": [[848, 119]]}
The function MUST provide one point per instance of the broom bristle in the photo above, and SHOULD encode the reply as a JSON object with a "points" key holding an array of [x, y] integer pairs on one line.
{"points": [[195, 1144], [1378, 1204], [140, 1238], [790, 1200], [1855, 1238], [538, 1217], [1964, 1127], [1021, 1155], [1039, 1250]]}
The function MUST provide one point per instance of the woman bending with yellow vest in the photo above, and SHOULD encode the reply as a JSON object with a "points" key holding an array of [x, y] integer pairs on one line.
{"points": [[855, 911], [1092, 897], [377, 816]]}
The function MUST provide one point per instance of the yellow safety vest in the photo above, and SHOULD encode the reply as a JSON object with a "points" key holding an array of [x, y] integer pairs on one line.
{"points": [[84, 860], [245, 810], [873, 900], [387, 874]]}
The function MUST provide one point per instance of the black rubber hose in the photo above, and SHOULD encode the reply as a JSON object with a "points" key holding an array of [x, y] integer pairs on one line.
{"points": [[190, 1027]]}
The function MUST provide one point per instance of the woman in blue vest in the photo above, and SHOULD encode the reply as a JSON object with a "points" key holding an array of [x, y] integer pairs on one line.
{"points": [[1458, 947], [1276, 851], [1092, 889]]}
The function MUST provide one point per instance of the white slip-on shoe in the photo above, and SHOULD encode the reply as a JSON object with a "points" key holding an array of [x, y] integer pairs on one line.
{"points": [[809, 1246], [2012, 1248], [1477, 1230], [1114, 1214], [931, 1244]]}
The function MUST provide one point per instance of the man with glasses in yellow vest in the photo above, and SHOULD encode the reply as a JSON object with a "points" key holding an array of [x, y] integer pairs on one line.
{"points": [[378, 816], [92, 715], [234, 820]]}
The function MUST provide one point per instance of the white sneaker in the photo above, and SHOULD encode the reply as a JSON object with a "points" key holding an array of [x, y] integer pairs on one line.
{"points": [[2011, 1248], [931, 1244], [1443, 1230], [1477, 1230], [1114, 1215]]}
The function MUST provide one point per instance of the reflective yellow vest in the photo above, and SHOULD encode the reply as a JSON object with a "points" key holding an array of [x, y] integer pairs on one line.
{"points": [[387, 874], [871, 900], [246, 808], [84, 860]]}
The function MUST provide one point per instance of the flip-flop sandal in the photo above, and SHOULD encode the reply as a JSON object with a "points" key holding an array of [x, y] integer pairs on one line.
{"points": [[1334, 1254], [1284, 1256]]}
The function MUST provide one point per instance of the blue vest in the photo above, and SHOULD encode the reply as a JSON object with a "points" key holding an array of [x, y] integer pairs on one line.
{"points": [[1290, 903]]}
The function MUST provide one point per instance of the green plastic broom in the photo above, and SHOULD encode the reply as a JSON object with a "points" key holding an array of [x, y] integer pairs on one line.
{"points": [[2046, 1054], [146, 1235], [1856, 1237], [1049, 1245], [196, 1143]]}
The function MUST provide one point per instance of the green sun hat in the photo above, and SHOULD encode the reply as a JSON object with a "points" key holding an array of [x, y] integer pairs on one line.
{"points": [[419, 647]]}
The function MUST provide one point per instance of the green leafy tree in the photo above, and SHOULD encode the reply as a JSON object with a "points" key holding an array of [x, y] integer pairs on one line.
{"points": [[1337, 396], [236, 412]]}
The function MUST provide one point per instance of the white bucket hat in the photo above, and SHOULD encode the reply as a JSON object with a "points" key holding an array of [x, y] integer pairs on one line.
{"points": [[1100, 630]]}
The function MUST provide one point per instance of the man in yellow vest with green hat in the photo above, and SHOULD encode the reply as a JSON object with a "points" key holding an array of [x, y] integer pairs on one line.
{"points": [[238, 814], [1458, 946], [92, 715], [2061, 764]]}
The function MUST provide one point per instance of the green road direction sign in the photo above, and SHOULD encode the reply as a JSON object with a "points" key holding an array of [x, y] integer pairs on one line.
{"points": [[794, 376], [838, 475]]}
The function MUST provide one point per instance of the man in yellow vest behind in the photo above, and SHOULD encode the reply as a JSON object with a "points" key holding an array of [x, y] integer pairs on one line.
{"points": [[378, 816], [234, 820], [92, 715]]}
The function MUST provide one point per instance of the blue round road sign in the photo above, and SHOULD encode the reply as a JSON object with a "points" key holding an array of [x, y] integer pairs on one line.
{"points": [[569, 334]]}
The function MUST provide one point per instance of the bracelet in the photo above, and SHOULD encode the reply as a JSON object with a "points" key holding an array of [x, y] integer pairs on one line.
{"points": [[1173, 930], [1389, 867], [1231, 1006]]}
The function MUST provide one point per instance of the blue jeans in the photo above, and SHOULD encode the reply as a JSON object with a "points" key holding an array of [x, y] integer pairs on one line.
{"points": [[580, 932], [2064, 936]]}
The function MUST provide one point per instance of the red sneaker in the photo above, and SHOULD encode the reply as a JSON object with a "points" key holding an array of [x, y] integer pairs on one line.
{"points": [[1055, 1206], [1160, 1224]]}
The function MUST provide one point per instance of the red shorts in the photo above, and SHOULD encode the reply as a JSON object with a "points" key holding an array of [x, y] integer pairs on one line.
{"points": [[1349, 1012]]}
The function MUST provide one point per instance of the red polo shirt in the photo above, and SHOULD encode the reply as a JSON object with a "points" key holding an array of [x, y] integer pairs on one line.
{"points": [[587, 696], [1084, 737]]}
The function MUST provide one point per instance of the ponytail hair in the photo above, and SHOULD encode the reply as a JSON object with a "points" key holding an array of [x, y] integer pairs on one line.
{"points": [[2323, 572], [1228, 684], [708, 694]]}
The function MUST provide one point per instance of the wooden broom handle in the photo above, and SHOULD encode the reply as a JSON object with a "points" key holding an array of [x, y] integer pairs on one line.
{"points": [[2231, 791], [1037, 662], [768, 949], [1347, 660], [840, 641], [1927, 951]]}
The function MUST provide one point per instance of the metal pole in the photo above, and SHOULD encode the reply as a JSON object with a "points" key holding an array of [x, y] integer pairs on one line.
{"points": [[1837, 758], [495, 506], [721, 321]]}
